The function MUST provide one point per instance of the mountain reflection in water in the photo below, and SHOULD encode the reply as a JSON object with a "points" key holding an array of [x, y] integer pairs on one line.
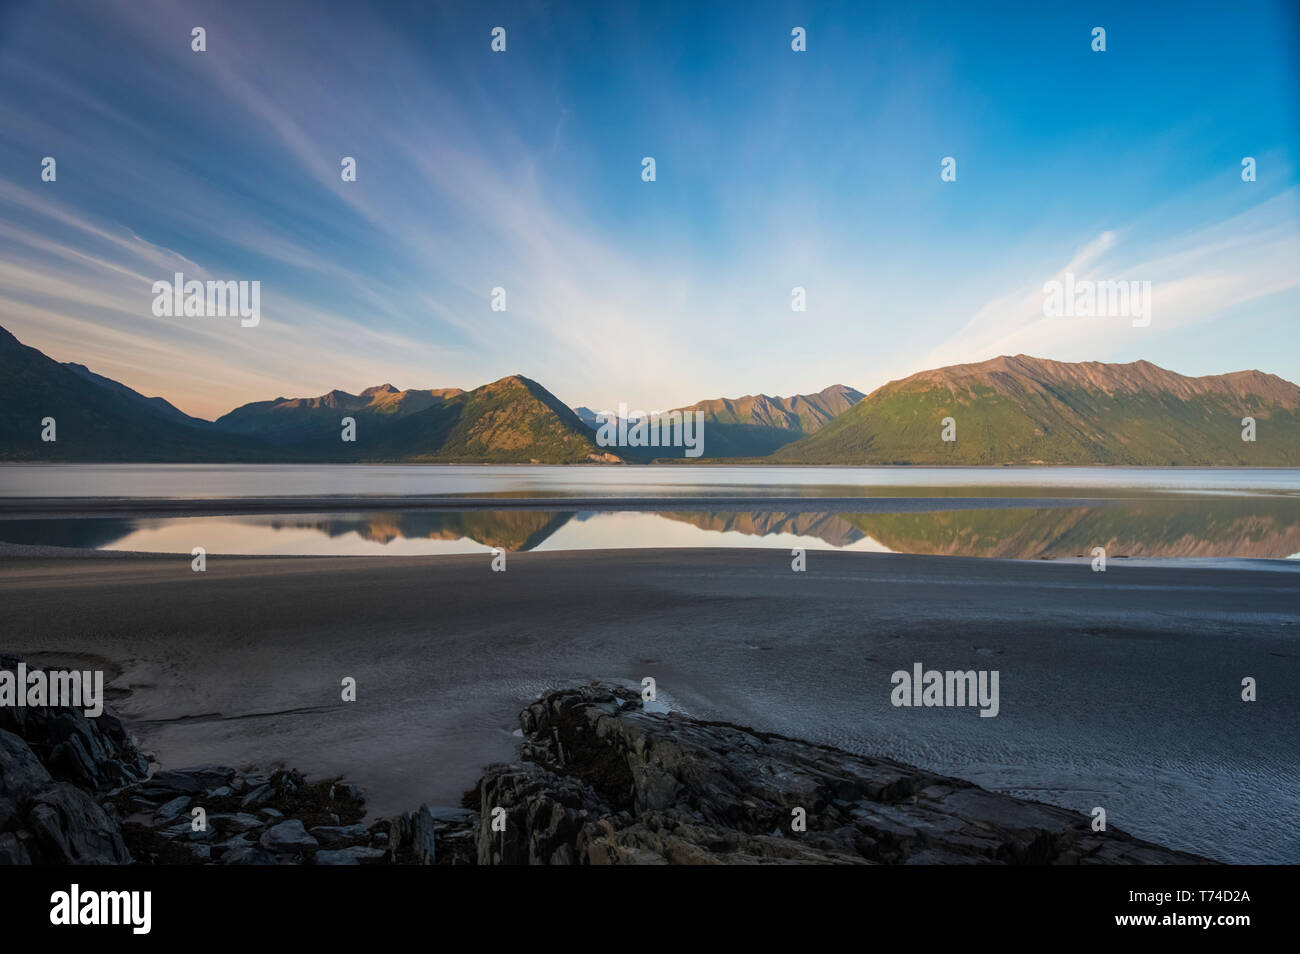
{"points": [[1188, 526]]}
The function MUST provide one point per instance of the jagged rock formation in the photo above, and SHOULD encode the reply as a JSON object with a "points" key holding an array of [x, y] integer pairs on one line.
{"points": [[75, 790], [606, 782], [52, 761], [603, 781]]}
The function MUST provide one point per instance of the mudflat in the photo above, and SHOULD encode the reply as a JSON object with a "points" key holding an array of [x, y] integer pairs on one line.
{"points": [[1119, 689]]}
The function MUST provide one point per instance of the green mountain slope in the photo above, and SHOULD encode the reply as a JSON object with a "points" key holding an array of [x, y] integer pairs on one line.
{"points": [[1022, 410], [513, 420]]}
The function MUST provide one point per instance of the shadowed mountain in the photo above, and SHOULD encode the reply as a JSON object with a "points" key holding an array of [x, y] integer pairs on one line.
{"points": [[756, 425], [514, 420], [157, 405], [1024, 410], [289, 418], [1010, 410], [98, 419]]}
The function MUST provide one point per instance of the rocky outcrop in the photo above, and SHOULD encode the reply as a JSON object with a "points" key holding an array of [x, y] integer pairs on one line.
{"points": [[607, 782], [75, 790], [603, 780], [278, 819], [52, 762]]}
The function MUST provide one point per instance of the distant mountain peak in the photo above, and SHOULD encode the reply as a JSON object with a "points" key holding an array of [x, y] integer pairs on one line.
{"points": [[514, 379]]}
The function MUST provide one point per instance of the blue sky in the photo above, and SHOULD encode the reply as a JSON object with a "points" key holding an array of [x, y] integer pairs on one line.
{"points": [[522, 170]]}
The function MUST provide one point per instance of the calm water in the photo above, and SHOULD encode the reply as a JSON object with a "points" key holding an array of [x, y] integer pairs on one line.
{"points": [[1032, 513], [312, 480], [812, 661]]}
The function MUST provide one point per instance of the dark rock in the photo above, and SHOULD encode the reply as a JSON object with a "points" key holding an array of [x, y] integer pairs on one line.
{"points": [[287, 836], [68, 827], [192, 781], [450, 815], [614, 784], [9, 814], [247, 855], [49, 821], [173, 808], [335, 836], [413, 837], [257, 797], [357, 855], [239, 822], [336, 857], [170, 784], [186, 831], [424, 836], [603, 781], [13, 851], [21, 773], [93, 753]]}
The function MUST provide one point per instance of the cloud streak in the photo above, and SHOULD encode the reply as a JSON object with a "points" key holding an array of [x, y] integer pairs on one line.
{"points": [[225, 165]]}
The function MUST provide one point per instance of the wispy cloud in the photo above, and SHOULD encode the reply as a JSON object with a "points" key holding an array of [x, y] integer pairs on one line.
{"points": [[476, 172]]}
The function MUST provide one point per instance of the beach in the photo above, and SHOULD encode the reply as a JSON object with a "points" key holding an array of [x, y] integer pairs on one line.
{"points": [[1119, 689]]}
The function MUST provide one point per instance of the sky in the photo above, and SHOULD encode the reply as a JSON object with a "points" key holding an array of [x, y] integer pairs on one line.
{"points": [[522, 170]]}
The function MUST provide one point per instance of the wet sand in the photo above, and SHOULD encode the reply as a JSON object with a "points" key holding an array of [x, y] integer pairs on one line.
{"points": [[1119, 689]]}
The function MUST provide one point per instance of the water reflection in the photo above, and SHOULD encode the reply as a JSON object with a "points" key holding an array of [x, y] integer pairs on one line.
{"points": [[1247, 526]]}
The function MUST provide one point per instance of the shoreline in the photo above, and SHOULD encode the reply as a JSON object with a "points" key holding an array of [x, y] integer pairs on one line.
{"points": [[1114, 686], [658, 462], [26, 551], [602, 777], [37, 507]]}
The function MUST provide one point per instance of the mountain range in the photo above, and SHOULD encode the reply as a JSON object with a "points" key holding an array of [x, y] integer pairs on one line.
{"points": [[1010, 410], [1024, 410], [757, 424]]}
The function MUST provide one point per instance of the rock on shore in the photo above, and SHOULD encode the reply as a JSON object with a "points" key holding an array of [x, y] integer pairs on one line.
{"points": [[75, 790], [602, 781], [53, 762], [606, 782]]}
